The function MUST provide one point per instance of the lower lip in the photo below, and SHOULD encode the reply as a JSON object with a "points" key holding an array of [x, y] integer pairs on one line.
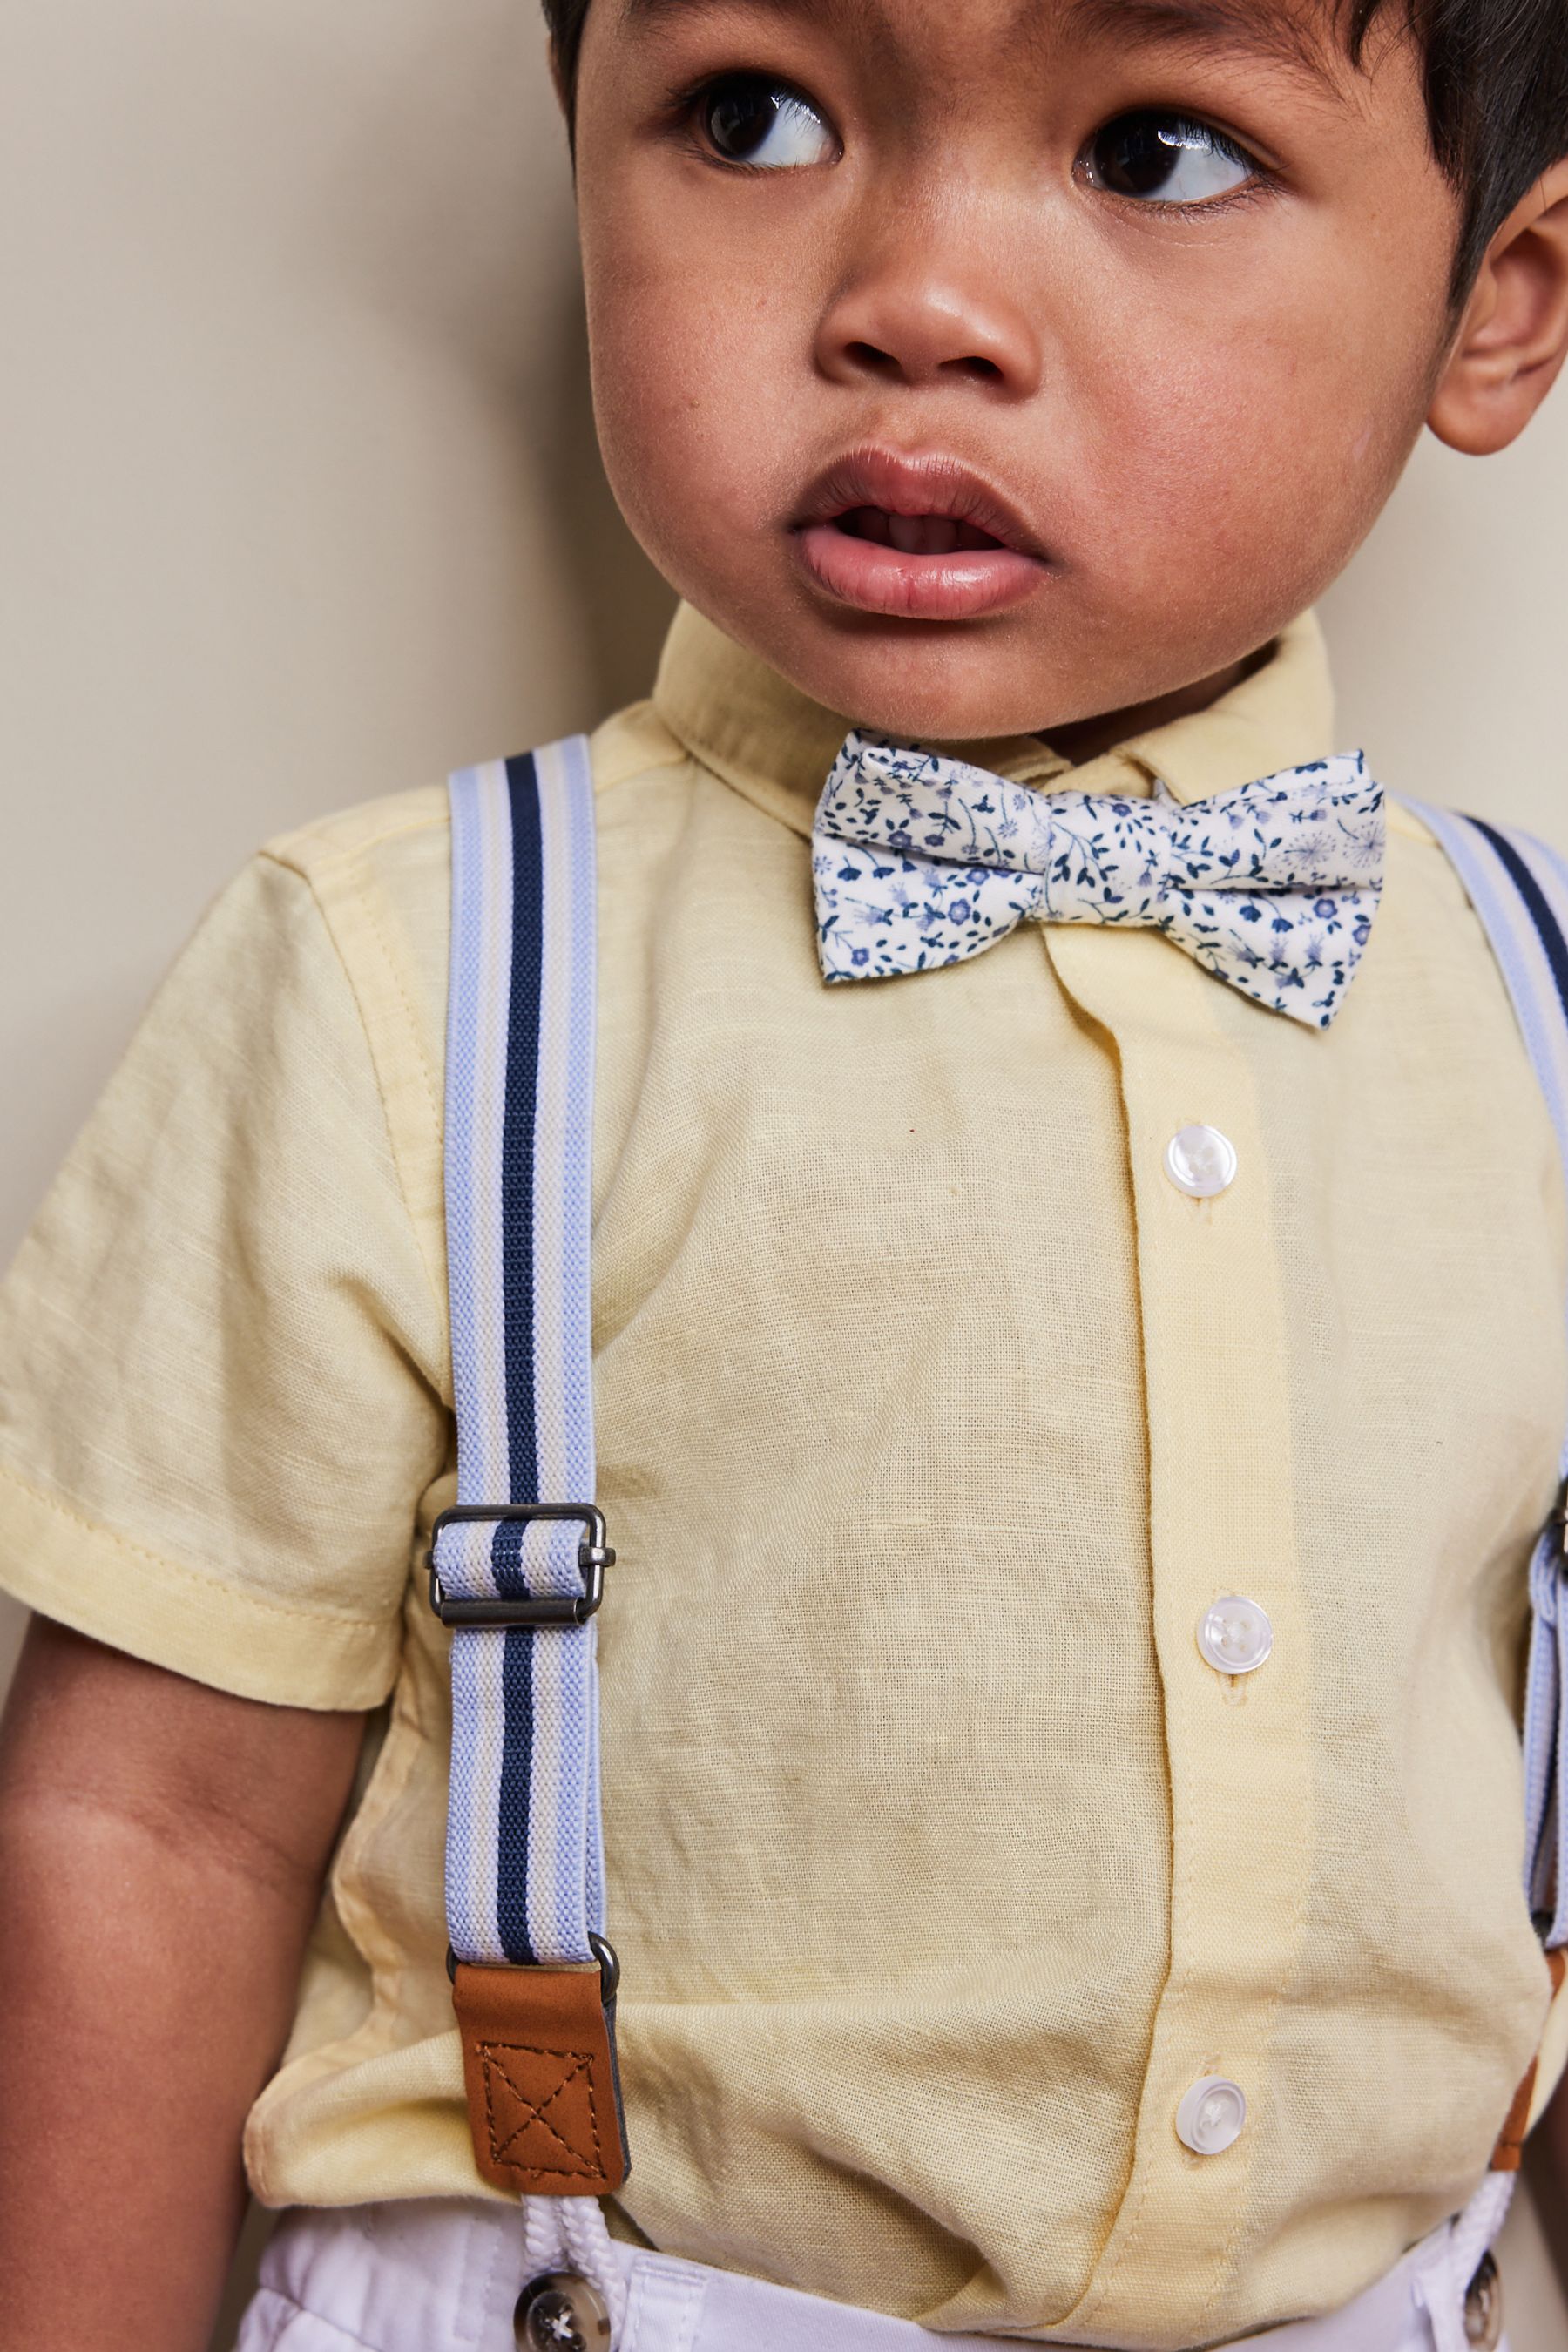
{"points": [[875, 579]]}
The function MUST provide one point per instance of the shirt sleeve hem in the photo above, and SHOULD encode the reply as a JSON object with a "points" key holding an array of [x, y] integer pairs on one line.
{"points": [[62, 1564]]}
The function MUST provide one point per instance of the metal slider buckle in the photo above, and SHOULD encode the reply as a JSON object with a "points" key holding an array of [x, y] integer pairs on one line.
{"points": [[593, 1557]]}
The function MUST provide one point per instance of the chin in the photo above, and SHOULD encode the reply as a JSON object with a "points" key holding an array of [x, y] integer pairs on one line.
{"points": [[931, 715], [943, 688]]}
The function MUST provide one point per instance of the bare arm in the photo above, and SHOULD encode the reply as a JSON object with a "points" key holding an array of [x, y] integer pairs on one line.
{"points": [[1550, 2182], [161, 1847]]}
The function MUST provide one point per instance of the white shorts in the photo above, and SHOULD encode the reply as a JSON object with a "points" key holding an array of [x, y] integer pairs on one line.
{"points": [[444, 2277]]}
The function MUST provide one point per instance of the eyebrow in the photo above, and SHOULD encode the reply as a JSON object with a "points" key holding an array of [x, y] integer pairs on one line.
{"points": [[1277, 33], [640, 12]]}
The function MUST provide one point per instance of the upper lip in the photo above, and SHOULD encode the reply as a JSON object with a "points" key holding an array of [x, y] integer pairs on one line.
{"points": [[932, 484]]}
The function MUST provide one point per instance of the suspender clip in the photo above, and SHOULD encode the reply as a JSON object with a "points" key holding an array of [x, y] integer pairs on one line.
{"points": [[498, 1610]]}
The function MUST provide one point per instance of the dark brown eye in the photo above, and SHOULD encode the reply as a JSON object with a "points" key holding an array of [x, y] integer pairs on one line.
{"points": [[1166, 159], [751, 119]]}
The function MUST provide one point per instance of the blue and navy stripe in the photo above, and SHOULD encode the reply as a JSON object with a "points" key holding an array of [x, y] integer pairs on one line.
{"points": [[524, 1860], [1519, 887]]}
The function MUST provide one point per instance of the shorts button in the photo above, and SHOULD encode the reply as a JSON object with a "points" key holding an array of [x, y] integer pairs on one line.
{"points": [[1483, 2307], [561, 2312]]}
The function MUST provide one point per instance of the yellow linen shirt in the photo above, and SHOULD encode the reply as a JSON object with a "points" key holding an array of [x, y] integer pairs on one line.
{"points": [[932, 1419]]}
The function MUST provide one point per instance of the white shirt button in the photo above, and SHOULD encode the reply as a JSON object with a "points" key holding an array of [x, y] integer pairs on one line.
{"points": [[1234, 1635], [1210, 2118], [1201, 1161]]}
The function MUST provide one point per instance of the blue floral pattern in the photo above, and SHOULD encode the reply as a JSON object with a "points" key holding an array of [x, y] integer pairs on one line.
{"points": [[922, 861]]}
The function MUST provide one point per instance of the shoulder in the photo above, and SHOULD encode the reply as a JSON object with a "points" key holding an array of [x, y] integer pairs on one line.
{"points": [[409, 832], [1489, 868], [1482, 855], [636, 755], [1486, 903], [380, 876], [349, 836], [1452, 832]]}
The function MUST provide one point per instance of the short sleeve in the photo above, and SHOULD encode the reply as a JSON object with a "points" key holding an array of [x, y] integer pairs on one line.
{"points": [[220, 1343]]}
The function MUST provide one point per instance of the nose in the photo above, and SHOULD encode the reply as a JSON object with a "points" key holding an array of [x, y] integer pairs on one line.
{"points": [[920, 316]]}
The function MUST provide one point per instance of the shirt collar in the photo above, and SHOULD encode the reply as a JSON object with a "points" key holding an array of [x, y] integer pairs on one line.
{"points": [[774, 745]]}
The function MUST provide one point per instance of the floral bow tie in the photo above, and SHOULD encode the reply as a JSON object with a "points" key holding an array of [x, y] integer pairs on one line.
{"points": [[920, 861]]}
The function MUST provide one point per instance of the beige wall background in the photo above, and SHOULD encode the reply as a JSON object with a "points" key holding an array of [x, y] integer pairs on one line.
{"points": [[299, 505]]}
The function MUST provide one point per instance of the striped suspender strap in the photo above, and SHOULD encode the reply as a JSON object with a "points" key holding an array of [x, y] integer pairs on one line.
{"points": [[1519, 887], [517, 1567]]}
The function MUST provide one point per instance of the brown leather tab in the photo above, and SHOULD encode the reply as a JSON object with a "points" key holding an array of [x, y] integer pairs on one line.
{"points": [[1509, 2153], [540, 2070]]}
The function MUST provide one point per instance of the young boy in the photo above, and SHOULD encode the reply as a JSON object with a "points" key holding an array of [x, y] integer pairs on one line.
{"points": [[1076, 1400]]}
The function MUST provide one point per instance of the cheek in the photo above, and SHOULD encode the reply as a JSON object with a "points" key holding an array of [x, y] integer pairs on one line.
{"points": [[697, 375], [1255, 441]]}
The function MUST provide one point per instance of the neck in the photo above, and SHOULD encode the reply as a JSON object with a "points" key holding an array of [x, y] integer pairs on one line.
{"points": [[1086, 739]]}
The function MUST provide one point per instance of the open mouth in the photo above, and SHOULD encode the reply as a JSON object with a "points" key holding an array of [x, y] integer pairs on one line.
{"points": [[915, 539], [914, 534]]}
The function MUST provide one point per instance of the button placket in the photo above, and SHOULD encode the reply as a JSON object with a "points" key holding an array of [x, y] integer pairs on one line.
{"points": [[1216, 1359]]}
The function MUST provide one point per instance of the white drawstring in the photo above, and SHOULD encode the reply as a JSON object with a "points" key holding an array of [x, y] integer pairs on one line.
{"points": [[1479, 2226], [568, 2233], [1444, 2280]]}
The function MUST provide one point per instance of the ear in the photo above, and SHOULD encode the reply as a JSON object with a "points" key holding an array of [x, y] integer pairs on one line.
{"points": [[1514, 337]]}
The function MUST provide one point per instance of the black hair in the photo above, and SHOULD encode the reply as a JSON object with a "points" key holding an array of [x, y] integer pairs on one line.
{"points": [[1496, 100], [1497, 94]]}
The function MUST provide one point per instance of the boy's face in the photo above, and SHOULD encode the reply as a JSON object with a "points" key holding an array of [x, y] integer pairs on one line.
{"points": [[1139, 304]]}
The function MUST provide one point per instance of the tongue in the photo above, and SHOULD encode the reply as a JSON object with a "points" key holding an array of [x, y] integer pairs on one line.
{"points": [[915, 534]]}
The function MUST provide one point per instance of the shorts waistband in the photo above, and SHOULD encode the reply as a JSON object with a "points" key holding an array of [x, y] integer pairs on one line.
{"points": [[445, 2277]]}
